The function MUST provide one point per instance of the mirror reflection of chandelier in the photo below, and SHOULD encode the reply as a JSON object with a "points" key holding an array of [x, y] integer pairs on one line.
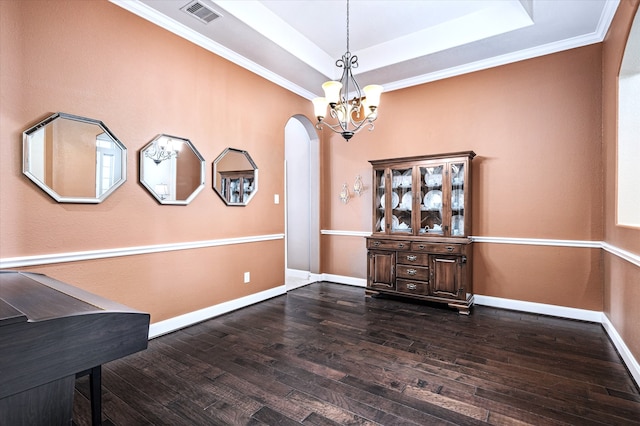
{"points": [[163, 148], [350, 115]]}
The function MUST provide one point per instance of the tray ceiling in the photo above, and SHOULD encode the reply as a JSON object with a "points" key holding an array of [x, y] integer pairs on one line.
{"points": [[399, 43]]}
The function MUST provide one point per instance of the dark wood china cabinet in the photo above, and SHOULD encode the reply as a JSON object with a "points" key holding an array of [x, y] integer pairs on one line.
{"points": [[420, 246]]}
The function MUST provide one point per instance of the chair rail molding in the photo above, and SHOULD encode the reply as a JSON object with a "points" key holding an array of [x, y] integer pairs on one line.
{"points": [[47, 259]]}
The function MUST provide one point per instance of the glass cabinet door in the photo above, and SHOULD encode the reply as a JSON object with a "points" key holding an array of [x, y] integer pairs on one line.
{"points": [[456, 182], [431, 183], [401, 200], [379, 200]]}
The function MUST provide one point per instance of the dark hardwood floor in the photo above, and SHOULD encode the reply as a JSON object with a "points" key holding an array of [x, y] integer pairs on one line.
{"points": [[327, 355]]}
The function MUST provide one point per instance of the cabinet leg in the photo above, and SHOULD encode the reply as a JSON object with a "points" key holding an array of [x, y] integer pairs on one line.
{"points": [[462, 309]]}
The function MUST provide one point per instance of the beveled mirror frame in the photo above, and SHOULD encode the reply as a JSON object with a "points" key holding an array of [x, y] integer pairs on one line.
{"points": [[239, 173], [181, 173], [31, 149]]}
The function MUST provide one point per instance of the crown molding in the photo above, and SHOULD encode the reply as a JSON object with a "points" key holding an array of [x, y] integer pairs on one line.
{"points": [[151, 15]]}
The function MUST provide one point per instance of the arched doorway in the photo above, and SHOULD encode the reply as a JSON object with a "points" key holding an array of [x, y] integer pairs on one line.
{"points": [[302, 202]]}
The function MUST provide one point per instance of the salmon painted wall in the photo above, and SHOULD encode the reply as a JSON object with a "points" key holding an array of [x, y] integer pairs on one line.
{"points": [[94, 59], [535, 126], [621, 277]]}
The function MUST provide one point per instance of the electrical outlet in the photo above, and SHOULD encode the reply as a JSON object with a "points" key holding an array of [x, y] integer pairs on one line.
{"points": [[247, 277]]}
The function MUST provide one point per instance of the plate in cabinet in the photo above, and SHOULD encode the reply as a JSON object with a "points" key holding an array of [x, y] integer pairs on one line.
{"points": [[433, 200], [395, 200]]}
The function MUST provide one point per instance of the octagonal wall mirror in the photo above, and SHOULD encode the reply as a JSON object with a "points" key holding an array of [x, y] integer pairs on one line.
{"points": [[74, 159], [171, 169], [235, 177]]}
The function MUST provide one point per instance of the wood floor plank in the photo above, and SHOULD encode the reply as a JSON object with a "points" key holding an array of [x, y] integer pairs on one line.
{"points": [[271, 417], [325, 354], [327, 410]]}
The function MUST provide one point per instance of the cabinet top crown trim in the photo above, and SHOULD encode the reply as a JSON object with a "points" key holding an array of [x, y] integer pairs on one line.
{"points": [[469, 154]]}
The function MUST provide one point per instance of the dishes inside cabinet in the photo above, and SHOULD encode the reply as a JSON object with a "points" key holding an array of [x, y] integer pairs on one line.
{"points": [[431, 223], [457, 225], [406, 179], [433, 200], [457, 199], [395, 200], [437, 229], [457, 175], [407, 201], [402, 227], [433, 180], [395, 222], [396, 179]]}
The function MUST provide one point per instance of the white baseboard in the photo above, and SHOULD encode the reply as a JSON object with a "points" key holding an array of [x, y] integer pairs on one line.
{"points": [[182, 321], [539, 308], [297, 274], [623, 350], [296, 278], [342, 279]]}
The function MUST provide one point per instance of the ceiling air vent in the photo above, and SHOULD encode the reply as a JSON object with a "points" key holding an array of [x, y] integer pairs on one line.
{"points": [[200, 11]]}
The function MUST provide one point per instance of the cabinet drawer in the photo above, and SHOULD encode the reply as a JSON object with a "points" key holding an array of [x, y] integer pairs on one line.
{"points": [[412, 287], [436, 248], [420, 259], [420, 273], [388, 244]]}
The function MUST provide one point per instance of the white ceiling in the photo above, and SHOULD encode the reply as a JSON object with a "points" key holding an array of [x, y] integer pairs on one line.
{"points": [[399, 43]]}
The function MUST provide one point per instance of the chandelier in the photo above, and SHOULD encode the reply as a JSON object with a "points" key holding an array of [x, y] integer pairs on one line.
{"points": [[163, 148], [350, 115]]}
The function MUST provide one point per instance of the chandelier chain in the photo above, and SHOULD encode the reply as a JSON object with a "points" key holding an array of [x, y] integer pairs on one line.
{"points": [[348, 51]]}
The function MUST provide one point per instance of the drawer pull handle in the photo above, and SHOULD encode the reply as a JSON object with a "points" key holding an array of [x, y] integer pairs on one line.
{"points": [[400, 245], [421, 246], [412, 258], [412, 271], [449, 249], [411, 286], [376, 243]]}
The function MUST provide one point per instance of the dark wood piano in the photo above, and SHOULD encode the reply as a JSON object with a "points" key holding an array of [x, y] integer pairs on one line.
{"points": [[49, 333]]}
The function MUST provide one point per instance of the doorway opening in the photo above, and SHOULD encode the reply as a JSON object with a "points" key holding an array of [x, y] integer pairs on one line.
{"points": [[302, 202]]}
